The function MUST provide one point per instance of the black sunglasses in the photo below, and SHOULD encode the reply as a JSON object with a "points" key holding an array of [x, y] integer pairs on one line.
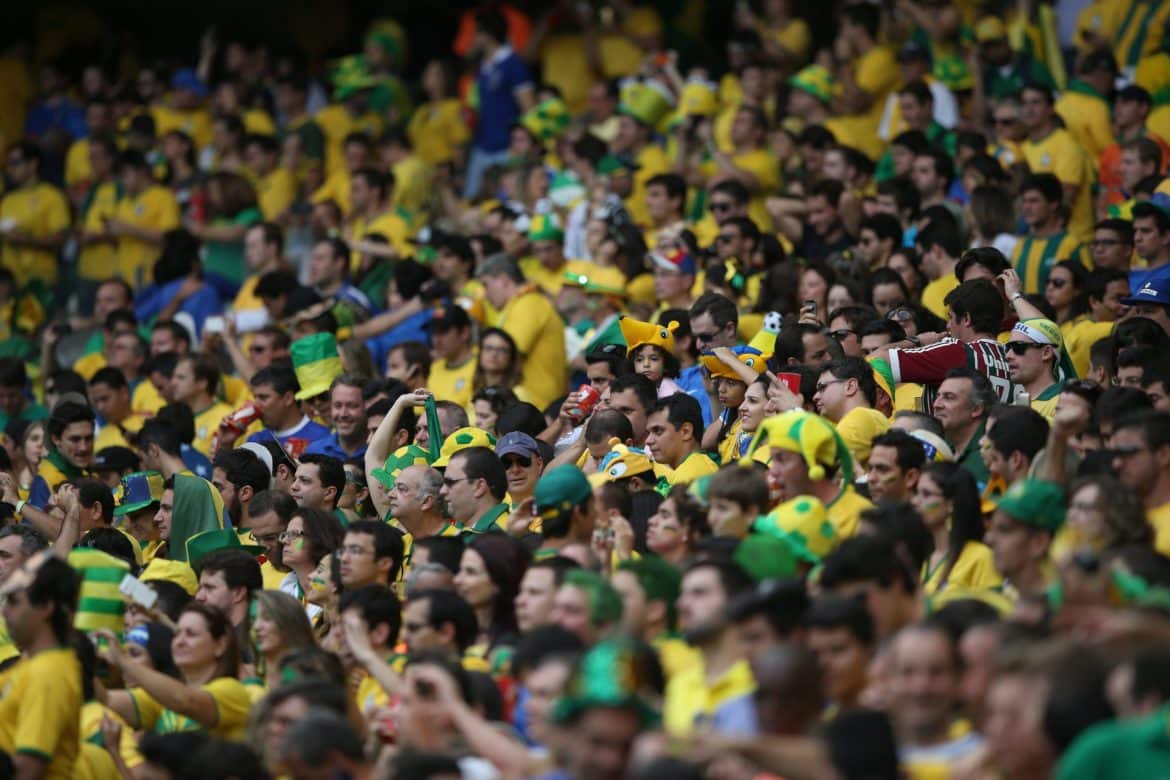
{"points": [[1022, 347]]}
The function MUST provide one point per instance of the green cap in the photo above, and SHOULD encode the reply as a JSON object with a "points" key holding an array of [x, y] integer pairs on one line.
{"points": [[200, 545], [1034, 503], [766, 557], [545, 227], [613, 163], [560, 489]]}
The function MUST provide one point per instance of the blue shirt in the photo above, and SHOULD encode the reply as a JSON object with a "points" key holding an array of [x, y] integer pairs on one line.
{"points": [[691, 382], [196, 461], [153, 298], [413, 328], [296, 439], [331, 445], [497, 83]]}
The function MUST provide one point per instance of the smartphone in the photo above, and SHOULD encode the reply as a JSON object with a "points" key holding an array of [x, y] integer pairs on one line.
{"points": [[809, 307]]}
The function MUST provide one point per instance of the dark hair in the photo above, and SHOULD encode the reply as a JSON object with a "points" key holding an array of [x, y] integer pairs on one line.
{"points": [[864, 16], [243, 469], [281, 378], [1154, 427], [615, 358], [238, 567], [414, 353], [643, 388], [378, 606], [513, 375], [966, 524], [160, 433], [1018, 429], [910, 454], [942, 234], [719, 308], [986, 257], [330, 471], [681, 409], [858, 369], [733, 579], [65, 414], [866, 559], [980, 300], [884, 226], [846, 612], [388, 542], [443, 550], [505, 560], [482, 463], [323, 533], [1149, 210], [604, 424], [92, 491], [444, 606], [900, 524], [219, 626], [520, 416], [1046, 184], [675, 185], [782, 603]]}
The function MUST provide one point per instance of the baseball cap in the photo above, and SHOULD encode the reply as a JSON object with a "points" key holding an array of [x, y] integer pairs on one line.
{"points": [[115, 459], [1034, 503], [560, 489], [187, 79], [674, 260], [517, 443], [1155, 291]]}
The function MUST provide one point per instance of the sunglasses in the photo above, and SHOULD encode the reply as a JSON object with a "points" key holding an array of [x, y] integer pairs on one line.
{"points": [[900, 315], [720, 207], [524, 462], [725, 238], [841, 334], [1057, 283], [1022, 347]]}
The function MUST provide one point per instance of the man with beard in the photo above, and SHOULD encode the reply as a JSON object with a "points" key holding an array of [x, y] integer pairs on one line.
{"points": [[717, 692], [348, 439], [238, 475]]}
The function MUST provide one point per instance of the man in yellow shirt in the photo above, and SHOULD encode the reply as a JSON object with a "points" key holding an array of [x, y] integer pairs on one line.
{"points": [[939, 246], [548, 266], [371, 213], [674, 430], [1084, 105], [186, 111], [144, 214], [453, 369], [342, 120], [276, 186], [1105, 289], [40, 706], [110, 394], [79, 177], [845, 395], [867, 72], [750, 163], [358, 153], [194, 382], [532, 321], [34, 218], [412, 176], [98, 251], [1052, 149]]}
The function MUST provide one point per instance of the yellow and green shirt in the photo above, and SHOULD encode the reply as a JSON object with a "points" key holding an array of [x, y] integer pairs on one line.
{"points": [[40, 709]]}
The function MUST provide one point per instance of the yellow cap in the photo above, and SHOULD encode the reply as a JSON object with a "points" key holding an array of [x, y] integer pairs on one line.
{"points": [[757, 363], [638, 333], [809, 435], [162, 570], [461, 440]]}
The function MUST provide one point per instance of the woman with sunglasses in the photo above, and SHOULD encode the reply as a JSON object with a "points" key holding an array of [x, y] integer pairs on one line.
{"points": [[1064, 292], [948, 500]]}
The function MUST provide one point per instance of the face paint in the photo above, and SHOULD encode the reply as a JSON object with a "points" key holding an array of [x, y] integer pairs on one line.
{"points": [[300, 544]]}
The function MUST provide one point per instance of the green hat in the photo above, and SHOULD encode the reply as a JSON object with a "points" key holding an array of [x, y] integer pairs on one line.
{"points": [[137, 491], [548, 120], [1034, 503], [316, 362], [605, 605], [545, 227], [410, 455], [350, 78], [389, 36], [659, 580], [766, 557], [611, 674], [200, 545], [612, 163], [816, 80], [803, 524], [560, 489]]}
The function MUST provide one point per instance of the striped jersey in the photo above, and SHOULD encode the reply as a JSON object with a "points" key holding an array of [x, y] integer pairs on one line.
{"points": [[929, 366]]}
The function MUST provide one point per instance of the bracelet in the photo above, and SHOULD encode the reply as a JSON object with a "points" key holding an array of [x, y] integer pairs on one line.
{"points": [[1016, 297], [20, 505]]}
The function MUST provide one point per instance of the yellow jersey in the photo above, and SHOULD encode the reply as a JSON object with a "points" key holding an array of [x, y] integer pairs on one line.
{"points": [[1153, 73], [413, 178], [1080, 340], [276, 192], [1159, 520], [1138, 29], [232, 705], [40, 710], [652, 160], [1034, 257], [155, 208], [78, 173], [40, 211], [533, 322], [453, 383], [936, 292], [336, 189], [1058, 153], [437, 131], [194, 122], [858, 427], [95, 261], [1086, 115], [974, 570], [877, 73], [207, 423], [336, 123], [845, 511], [691, 701]]}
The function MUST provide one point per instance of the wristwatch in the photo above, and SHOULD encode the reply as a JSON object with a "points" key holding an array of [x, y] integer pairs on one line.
{"points": [[914, 340], [1016, 297]]}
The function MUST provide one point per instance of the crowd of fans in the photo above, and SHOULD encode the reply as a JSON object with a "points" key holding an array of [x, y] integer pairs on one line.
{"points": [[577, 410]]}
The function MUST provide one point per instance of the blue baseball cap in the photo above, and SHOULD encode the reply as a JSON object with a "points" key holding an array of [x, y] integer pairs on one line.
{"points": [[1155, 291], [187, 79], [517, 443]]}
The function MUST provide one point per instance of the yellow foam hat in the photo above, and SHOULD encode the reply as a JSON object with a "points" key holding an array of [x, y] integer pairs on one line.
{"points": [[638, 333], [646, 101], [811, 436], [461, 440], [622, 461], [698, 98], [717, 368], [804, 522], [162, 570]]}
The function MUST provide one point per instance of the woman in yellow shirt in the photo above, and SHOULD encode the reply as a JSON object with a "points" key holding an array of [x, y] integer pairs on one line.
{"points": [[438, 130], [947, 498], [206, 697]]}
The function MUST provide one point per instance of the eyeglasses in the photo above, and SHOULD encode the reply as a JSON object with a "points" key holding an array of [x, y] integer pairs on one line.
{"points": [[705, 337], [448, 482], [524, 463], [841, 334], [900, 315], [725, 238], [822, 385], [288, 536], [718, 207], [1057, 283], [1022, 347]]}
